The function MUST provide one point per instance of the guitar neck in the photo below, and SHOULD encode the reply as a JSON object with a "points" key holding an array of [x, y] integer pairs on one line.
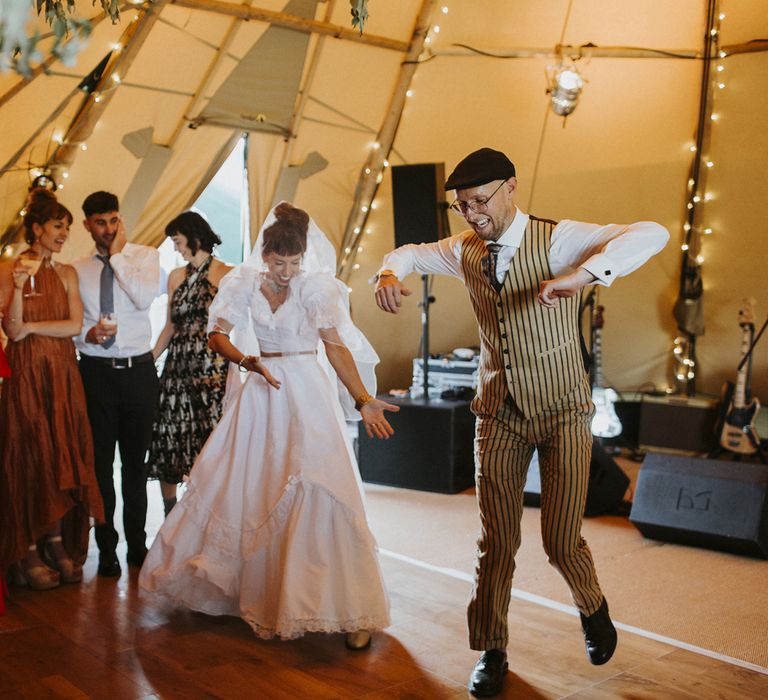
{"points": [[740, 390], [597, 359]]}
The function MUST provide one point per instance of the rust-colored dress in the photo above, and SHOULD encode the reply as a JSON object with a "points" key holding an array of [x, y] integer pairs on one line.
{"points": [[46, 448]]}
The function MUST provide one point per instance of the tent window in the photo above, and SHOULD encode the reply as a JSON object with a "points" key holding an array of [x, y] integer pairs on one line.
{"points": [[224, 202]]}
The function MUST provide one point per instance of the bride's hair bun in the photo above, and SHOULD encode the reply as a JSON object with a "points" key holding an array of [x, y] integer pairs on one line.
{"points": [[292, 215], [288, 234]]}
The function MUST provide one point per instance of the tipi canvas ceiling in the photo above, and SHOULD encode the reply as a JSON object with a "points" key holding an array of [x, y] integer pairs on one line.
{"points": [[623, 155]]}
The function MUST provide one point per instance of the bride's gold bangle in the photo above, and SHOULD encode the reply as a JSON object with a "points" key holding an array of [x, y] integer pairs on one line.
{"points": [[243, 359], [363, 399]]}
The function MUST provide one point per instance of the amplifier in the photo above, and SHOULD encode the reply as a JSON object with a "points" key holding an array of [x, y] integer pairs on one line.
{"points": [[678, 423], [445, 373]]}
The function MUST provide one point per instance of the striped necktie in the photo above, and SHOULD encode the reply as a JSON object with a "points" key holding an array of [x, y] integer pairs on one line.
{"points": [[490, 265]]}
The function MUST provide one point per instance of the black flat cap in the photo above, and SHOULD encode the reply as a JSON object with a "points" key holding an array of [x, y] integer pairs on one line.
{"points": [[478, 168]]}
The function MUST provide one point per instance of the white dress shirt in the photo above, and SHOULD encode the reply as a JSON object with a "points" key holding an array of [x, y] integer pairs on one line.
{"points": [[608, 251], [137, 283]]}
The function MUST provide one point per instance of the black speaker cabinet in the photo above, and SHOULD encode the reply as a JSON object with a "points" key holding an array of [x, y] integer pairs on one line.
{"points": [[431, 449], [703, 502], [418, 201], [607, 483], [678, 422]]}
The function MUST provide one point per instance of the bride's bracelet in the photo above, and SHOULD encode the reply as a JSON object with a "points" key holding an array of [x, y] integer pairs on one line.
{"points": [[243, 359], [363, 399]]}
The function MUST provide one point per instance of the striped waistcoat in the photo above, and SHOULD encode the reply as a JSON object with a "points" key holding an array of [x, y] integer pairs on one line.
{"points": [[527, 351]]}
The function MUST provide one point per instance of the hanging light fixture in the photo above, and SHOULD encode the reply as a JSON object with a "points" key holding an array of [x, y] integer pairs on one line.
{"points": [[564, 86]]}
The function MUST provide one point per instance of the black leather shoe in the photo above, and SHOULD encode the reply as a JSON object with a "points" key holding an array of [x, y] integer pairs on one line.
{"points": [[136, 558], [599, 635], [108, 565], [488, 674]]}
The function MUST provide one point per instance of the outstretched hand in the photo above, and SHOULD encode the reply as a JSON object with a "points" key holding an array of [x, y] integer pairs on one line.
{"points": [[389, 293], [376, 424]]}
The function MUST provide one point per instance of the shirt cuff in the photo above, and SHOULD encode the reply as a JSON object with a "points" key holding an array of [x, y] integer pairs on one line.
{"points": [[602, 267]]}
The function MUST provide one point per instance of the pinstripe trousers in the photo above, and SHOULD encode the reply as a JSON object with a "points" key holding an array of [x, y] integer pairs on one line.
{"points": [[504, 445]]}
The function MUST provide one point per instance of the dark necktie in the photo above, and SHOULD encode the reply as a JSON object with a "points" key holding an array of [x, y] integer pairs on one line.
{"points": [[106, 294], [490, 265]]}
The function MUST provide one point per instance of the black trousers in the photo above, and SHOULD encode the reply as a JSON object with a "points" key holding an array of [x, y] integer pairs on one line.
{"points": [[121, 407]]}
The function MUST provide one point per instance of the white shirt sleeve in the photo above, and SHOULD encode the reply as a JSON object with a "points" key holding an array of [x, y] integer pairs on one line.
{"points": [[608, 252], [137, 271], [440, 258]]}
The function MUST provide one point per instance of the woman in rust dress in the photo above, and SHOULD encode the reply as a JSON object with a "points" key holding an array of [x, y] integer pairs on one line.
{"points": [[48, 486]]}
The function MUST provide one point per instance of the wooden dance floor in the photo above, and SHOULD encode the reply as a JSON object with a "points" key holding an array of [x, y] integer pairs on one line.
{"points": [[101, 639]]}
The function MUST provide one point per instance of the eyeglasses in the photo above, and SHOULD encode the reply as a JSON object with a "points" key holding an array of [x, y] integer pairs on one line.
{"points": [[477, 205]]}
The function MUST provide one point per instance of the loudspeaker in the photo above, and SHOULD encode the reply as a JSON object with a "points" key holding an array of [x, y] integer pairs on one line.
{"points": [[431, 449], [607, 483], [418, 201], [703, 502]]}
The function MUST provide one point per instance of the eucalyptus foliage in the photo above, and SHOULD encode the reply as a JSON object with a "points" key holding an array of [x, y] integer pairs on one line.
{"points": [[359, 13], [19, 49]]}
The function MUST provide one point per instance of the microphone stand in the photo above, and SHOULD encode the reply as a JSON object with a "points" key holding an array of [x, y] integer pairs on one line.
{"points": [[426, 300], [588, 302]]}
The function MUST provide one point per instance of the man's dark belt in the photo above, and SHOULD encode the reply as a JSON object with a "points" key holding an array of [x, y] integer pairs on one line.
{"points": [[119, 362]]}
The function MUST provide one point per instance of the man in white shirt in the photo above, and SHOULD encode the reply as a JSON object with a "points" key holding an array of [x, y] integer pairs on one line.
{"points": [[523, 275], [117, 284]]}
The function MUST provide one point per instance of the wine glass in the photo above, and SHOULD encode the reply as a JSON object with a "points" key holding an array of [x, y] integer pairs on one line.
{"points": [[108, 319], [31, 264]]}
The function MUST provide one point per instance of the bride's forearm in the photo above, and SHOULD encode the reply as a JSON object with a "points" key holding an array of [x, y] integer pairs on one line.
{"points": [[219, 342]]}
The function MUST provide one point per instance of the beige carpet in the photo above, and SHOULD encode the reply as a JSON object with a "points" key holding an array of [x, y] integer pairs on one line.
{"points": [[709, 599]]}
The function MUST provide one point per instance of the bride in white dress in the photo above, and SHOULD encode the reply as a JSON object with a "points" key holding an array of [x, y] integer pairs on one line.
{"points": [[271, 526]]}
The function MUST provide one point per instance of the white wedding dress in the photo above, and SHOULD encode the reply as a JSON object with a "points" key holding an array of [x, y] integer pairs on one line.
{"points": [[271, 526]]}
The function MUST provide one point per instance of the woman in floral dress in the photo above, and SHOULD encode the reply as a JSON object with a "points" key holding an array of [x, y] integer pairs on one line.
{"points": [[194, 377]]}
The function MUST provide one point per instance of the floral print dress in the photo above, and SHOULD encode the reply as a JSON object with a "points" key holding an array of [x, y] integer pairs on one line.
{"points": [[192, 384]]}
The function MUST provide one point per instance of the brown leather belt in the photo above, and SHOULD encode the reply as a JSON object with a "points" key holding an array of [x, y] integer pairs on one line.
{"points": [[289, 354]]}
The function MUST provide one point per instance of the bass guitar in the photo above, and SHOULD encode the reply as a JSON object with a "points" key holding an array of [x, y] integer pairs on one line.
{"points": [[739, 433], [606, 423]]}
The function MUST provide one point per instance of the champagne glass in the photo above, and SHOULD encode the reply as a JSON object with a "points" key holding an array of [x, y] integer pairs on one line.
{"points": [[108, 319], [31, 264]]}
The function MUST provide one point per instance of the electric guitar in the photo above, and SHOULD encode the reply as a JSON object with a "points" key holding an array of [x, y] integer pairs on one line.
{"points": [[606, 423], [739, 433]]}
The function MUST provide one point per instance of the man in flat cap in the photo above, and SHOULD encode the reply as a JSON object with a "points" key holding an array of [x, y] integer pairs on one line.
{"points": [[524, 277]]}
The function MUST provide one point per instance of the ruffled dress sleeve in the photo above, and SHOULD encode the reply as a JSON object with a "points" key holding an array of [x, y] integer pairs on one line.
{"points": [[231, 307], [326, 301], [230, 313]]}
